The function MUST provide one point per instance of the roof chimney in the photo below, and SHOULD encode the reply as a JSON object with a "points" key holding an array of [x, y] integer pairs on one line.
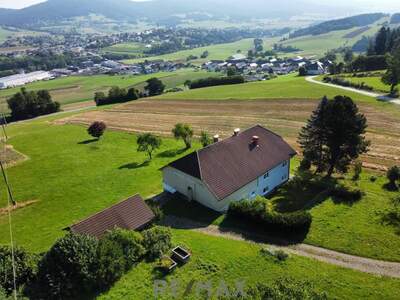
{"points": [[255, 139], [216, 138], [236, 132]]}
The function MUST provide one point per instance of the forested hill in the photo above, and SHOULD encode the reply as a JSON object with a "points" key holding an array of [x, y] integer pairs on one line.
{"points": [[57, 10], [339, 24], [395, 19]]}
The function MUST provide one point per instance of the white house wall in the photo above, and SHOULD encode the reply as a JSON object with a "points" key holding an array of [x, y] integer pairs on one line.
{"points": [[179, 181]]}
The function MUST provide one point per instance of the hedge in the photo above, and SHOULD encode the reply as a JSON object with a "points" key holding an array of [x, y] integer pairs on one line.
{"points": [[256, 211], [343, 82], [215, 81]]}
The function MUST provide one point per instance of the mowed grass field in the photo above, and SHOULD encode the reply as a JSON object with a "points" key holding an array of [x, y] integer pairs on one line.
{"points": [[74, 89], [318, 45], [284, 87], [215, 259], [126, 48]]}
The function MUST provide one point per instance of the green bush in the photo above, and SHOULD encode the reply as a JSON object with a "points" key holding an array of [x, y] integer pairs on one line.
{"points": [[215, 81], [26, 267], [131, 243], [111, 263], [66, 270], [278, 255], [256, 211], [157, 241]]}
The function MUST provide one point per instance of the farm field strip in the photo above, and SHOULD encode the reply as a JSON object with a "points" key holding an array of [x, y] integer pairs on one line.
{"points": [[286, 117]]}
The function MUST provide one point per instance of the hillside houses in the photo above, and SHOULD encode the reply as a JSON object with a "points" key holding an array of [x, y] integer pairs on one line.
{"points": [[271, 65]]}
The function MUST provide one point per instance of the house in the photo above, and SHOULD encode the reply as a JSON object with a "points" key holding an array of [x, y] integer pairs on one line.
{"points": [[132, 214], [315, 68], [250, 163]]}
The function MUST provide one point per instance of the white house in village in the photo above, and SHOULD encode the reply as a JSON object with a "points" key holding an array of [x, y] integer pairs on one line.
{"points": [[250, 163]]}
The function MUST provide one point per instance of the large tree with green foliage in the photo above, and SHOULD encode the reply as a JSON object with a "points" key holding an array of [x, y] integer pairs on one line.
{"points": [[334, 135], [67, 269], [148, 142], [184, 132], [154, 87], [29, 104], [392, 75]]}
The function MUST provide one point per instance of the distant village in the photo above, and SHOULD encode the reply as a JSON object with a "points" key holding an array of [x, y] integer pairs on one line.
{"points": [[90, 60]]}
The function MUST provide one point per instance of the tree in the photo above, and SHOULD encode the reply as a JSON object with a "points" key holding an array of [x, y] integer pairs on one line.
{"points": [[205, 54], [110, 263], [96, 129], [231, 71], [381, 41], [29, 104], [148, 142], [154, 87], [133, 94], [302, 71], [116, 94], [67, 269], [157, 241], [348, 55], [393, 175], [334, 135], [258, 45], [184, 132], [392, 75], [25, 264], [99, 98], [131, 243], [205, 139]]}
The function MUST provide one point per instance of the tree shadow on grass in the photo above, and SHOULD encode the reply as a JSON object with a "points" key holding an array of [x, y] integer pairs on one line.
{"points": [[88, 142], [391, 187], [134, 165], [171, 153]]}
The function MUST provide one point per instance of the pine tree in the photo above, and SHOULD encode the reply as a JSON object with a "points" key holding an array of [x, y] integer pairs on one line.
{"points": [[334, 135]]}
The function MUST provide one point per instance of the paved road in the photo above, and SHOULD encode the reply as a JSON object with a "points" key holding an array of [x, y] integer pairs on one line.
{"points": [[367, 265], [365, 93]]}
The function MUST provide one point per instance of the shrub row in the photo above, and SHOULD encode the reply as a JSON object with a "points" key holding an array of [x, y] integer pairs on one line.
{"points": [[79, 265], [256, 211], [116, 95], [343, 82], [214, 81]]}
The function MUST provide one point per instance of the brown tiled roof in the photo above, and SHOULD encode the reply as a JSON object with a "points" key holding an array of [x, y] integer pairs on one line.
{"points": [[132, 213], [228, 165]]}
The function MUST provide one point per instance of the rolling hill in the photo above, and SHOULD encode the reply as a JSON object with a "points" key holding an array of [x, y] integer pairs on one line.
{"points": [[155, 10]]}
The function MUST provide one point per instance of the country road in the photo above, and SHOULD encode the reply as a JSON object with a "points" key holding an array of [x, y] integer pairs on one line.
{"points": [[361, 92]]}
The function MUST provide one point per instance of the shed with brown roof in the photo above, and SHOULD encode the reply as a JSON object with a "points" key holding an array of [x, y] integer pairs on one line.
{"points": [[250, 163], [131, 214]]}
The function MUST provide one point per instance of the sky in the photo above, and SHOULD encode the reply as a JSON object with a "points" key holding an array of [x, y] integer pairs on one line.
{"points": [[365, 5]]}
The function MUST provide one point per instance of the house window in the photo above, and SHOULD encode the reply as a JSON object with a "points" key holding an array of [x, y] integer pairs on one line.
{"points": [[284, 164], [266, 175], [266, 189], [252, 195]]}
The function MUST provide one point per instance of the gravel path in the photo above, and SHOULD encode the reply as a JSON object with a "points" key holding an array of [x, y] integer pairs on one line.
{"points": [[367, 265], [365, 93]]}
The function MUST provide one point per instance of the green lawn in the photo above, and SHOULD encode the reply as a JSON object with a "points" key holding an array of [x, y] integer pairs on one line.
{"points": [[72, 89], [374, 81], [72, 180], [126, 48], [319, 44], [218, 259], [288, 87]]}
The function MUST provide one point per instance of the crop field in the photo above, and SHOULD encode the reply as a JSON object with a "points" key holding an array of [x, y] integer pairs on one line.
{"points": [[73, 89], [285, 117]]}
